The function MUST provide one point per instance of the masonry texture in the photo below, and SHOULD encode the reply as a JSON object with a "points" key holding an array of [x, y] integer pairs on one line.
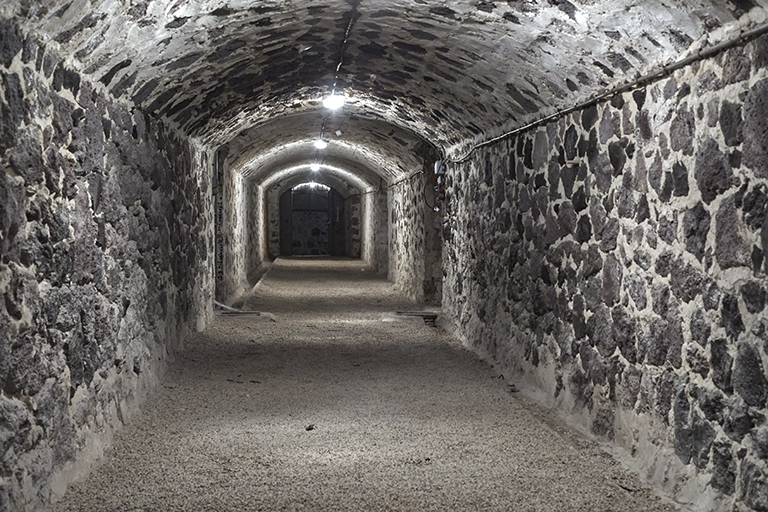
{"points": [[631, 239], [579, 186], [105, 242]]}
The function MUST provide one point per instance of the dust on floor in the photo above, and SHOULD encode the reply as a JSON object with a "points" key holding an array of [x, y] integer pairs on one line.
{"points": [[331, 408]]}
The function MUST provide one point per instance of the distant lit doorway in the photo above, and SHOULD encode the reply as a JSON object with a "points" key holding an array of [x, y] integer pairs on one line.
{"points": [[312, 221]]}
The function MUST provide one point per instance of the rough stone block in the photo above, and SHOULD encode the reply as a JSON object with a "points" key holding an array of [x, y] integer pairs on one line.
{"points": [[731, 317], [739, 419], [697, 360], [731, 250], [679, 180], [753, 295], [685, 281], [696, 223], [602, 425], [711, 295], [601, 331], [26, 158], [11, 41], [723, 468], [624, 332], [656, 342], [667, 228], [636, 287], [748, 377], [755, 126], [721, 364], [730, 122], [660, 299], [609, 235], [656, 174], [682, 131], [754, 490], [754, 206], [11, 110], [712, 170], [700, 327], [760, 438]]}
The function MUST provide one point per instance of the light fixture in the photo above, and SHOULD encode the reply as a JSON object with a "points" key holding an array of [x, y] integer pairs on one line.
{"points": [[321, 144], [312, 185], [314, 167], [334, 101]]}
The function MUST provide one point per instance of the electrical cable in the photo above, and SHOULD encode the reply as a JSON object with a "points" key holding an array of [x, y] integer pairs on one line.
{"points": [[393, 185], [645, 80], [353, 15]]}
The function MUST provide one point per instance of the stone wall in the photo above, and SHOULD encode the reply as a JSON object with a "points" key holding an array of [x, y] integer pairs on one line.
{"points": [[233, 282], [406, 236], [105, 232], [415, 237], [616, 260], [256, 244], [243, 229], [353, 225], [380, 205], [433, 239], [375, 239], [273, 221]]}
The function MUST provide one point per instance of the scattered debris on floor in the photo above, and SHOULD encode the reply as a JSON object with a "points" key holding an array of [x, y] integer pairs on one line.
{"points": [[224, 310], [428, 317]]}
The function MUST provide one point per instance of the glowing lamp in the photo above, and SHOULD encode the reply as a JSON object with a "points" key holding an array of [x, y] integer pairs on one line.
{"points": [[333, 102]]}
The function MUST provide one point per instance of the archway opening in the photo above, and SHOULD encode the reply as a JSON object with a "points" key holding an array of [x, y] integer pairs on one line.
{"points": [[316, 220]]}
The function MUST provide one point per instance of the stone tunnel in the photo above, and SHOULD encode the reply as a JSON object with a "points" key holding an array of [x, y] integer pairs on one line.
{"points": [[580, 186]]}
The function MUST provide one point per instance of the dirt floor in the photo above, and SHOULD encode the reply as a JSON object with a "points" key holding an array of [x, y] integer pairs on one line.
{"points": [[332, 408]]}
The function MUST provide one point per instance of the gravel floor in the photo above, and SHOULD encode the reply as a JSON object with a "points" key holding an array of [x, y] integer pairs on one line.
{"points": [[331, 408]]}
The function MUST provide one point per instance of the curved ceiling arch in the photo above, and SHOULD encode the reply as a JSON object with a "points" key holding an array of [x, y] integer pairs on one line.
{"points": [[368, 146], [298, 173], [294, 155], [332, 181], [451, 73]]}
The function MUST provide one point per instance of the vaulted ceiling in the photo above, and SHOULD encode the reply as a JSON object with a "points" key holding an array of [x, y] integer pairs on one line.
{"points": [[251, 74]]}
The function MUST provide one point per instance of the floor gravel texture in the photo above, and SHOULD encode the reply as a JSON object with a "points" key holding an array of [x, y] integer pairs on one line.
{"points": [[331, 408]]}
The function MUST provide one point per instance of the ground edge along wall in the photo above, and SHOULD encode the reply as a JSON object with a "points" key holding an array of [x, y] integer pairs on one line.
{"points": [[105, 235], [616, 259]]}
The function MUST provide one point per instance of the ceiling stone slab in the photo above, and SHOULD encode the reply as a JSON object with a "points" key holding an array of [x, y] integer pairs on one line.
{"points": [[344, 182], [451, 72], [369, 145], [365, 176]]}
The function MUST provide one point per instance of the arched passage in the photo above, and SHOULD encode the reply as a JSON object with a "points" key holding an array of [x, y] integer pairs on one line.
{"points": [[390, 177], [313, 220], [603, 225]]}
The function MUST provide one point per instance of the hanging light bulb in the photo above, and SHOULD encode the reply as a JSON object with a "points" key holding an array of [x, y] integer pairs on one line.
{"points": [[314, 167], [321, 144], [333, 102]]}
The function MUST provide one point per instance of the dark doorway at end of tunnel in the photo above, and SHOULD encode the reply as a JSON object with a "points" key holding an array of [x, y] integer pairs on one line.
{"points": [[312, 221]]}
